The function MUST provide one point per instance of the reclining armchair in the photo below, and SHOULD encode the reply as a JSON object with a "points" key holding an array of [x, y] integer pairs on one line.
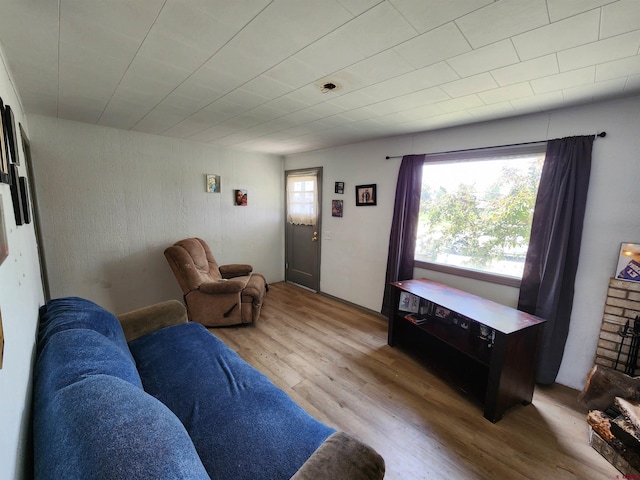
{"points": [[215, 295]]}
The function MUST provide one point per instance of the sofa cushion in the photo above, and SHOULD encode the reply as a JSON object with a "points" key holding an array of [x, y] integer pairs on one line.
{"points": [[242, 425], [92, 419], [72, 313]]}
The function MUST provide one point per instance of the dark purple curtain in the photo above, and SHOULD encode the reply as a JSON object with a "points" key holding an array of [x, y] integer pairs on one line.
{"points": [[547, 286], [404, 226]]}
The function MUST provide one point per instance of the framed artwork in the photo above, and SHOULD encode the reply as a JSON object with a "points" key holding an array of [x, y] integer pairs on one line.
{"points": [[240, 197], [212, 183], [336, 208], [340, 187], [366, 195], [628, 267], [11, 135], [4, 154], [15, 194], [4, 246], [24, 197]]}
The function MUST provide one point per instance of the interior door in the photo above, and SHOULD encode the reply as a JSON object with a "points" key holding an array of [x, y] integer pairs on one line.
{"points": [[302, 228]]}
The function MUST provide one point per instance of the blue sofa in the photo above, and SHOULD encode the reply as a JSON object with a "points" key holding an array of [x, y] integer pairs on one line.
{"points": [[149, 395]]}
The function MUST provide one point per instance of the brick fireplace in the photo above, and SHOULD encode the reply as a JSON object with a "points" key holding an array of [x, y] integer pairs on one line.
{"points": [[622, 306]]}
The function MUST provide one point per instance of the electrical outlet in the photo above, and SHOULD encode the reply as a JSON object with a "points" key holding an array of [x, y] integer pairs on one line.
{"points": [[327, 235]]}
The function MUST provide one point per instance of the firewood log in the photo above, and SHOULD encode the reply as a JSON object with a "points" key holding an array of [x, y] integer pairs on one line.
{"points": [[604, 384]]}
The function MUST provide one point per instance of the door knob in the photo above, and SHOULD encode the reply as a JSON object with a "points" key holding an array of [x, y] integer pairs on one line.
{"points": [[315, 237]]}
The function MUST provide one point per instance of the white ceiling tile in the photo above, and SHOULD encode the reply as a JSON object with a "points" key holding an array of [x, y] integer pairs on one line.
{"points": [[524, 71], [158, 121], [356, 7], [295, 73], [561, 81], [504, 94], [633, 84], [434, 46], [351, 100], [603, 51], [488, 112], [561, 35], [620, 17], [538, 103], [425, 16], [410, 101], [469, 85], [416, 80], [266, 87], [483, 59], [618, 68], [559, 9], [501, 20], [459, 104], [610, 88], [376, 69]]}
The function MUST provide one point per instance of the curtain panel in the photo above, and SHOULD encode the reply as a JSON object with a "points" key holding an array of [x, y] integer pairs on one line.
{"points": [[404, 225], [547, 287], [302, 199]]}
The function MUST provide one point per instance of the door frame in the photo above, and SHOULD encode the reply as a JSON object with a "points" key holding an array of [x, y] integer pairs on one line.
{"points": [[318, 172]]}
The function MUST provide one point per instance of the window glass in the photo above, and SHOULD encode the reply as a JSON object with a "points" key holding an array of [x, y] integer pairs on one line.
{"points": [[302, 203], [476, 209]]}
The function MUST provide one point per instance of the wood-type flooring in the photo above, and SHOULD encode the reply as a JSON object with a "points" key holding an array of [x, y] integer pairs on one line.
{"points": [[333, 359]]}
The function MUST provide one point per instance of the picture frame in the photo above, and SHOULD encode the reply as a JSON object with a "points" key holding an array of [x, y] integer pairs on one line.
{"points": [[16, 198], [366, 195], [5, 174], [4, 245], [336, 208], [240, 197], [339, 187], [212, 183], [11, 135], [628, 267], [24, 196]]}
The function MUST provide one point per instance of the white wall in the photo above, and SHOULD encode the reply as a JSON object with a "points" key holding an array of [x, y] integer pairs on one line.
{"points": [[354, 259], [111, 201], [21, 294]]}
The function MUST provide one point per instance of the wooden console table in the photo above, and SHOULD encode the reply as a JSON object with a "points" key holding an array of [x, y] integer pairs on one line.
{"points": [[488, 350]]}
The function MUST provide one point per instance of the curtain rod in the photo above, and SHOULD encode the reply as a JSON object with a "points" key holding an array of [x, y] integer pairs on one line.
{"points": [[601, 135]]}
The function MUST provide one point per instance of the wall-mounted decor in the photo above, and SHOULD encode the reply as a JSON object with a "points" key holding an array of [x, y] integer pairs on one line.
{"points": [[340, 187], [240, 197], [366, 195], [15, 194], [4, 246], [24, 197], [4, 154], [629, 262], [11, 135], [212, 183], [336, 208]]}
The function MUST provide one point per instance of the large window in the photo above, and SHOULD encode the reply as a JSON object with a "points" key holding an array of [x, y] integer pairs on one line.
{"points": [[476, 210]]}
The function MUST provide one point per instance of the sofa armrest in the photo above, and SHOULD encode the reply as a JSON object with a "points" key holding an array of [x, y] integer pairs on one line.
{"points": [[342, 457], [235, 270], [145, 320], [222, 286]]}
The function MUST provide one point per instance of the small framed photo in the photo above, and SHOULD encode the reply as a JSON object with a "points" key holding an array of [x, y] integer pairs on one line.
{"points": [[366, 195], [336, 208], [340, 187], [628, 267], [240, 197], [212, 183], [4, 246]]}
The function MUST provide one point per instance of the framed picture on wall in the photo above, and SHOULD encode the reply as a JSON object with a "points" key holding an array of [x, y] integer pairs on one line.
{"points": [[24, 197], [5, 174], [366, 195], [212, 183], [628, 267], [339, 187], [240, 197], [11, 135], [336, 208], [4, 246]]}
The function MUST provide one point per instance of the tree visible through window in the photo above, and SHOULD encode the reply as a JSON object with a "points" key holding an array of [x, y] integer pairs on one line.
{"points": [[476, 209]]}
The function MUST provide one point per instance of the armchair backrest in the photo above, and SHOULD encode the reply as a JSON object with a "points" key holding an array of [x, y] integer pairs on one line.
{"points": [[192, 263]]}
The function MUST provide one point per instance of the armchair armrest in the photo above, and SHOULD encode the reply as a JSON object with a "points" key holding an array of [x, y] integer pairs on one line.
{"points": [[235, 270], [222, 286], [342, 457], [137, 323]]}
